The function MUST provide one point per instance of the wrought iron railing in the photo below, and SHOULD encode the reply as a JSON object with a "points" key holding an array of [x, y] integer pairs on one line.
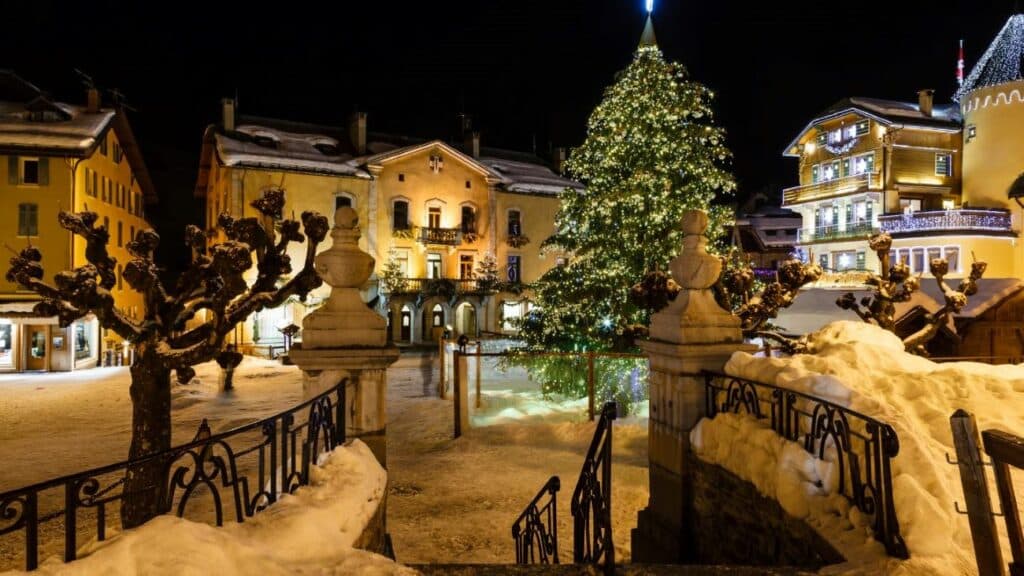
{"points": [[831, 188], [592, 499], [827, 233], [862, 447], [441, 236], [536, 530], [436, 285], [273, 459], [960, 220]]}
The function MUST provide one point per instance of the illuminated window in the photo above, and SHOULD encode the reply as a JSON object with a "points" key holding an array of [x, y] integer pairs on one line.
{"points": [[438, 316], [515, 223], [434, 217], [910, 205], [514, 268], [861, 256], [815, 174], [466, 266], [433, 265], [823, 261], [952, 255], [948, 204], [943, 164], [864, 164]]}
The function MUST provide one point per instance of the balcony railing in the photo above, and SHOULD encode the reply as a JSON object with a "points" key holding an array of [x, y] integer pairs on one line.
{"points": [[831, 188], [854, 231], [959, 220], [441, 236], [436, 285]]}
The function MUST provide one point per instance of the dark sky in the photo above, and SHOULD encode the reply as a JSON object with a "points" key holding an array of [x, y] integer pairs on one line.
{"points": [[527, 70]]}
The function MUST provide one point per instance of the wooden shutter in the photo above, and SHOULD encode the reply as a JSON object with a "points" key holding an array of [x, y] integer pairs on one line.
{"points": [[12, 170], [44, 171]]}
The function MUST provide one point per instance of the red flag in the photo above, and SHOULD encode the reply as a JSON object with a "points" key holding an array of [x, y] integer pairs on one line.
{"points": [[960, 65]]}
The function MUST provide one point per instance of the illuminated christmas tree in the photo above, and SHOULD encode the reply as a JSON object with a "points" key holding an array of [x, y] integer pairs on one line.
{"points": [[652, 151]]}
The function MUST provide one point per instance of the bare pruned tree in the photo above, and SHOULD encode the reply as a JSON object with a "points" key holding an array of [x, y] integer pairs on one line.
{"points": [[168, 337]]}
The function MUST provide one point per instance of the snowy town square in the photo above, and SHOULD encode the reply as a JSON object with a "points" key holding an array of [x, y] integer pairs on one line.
{"points": [[595, 287]]}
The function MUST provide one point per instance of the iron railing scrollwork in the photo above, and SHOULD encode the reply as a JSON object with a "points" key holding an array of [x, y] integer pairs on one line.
{"points": [[592, 499], [248, 468], [861, 447], [536, 530]]}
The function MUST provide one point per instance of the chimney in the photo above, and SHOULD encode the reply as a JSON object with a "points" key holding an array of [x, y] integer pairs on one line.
{"points": [[92, 98], [924, 101], [473, 144], [357, 131], [558, 159], [227, 106]]}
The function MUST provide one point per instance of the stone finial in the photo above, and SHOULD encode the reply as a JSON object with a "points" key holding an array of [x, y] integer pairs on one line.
{"points": [[344, 320], [694, 317]]}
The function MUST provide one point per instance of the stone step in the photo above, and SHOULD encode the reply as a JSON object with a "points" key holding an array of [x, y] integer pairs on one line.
{"points": [[590, 570]]}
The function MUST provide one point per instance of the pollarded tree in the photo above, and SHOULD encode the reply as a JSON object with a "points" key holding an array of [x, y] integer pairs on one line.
{"points": [[652, 151], [164, 342]]}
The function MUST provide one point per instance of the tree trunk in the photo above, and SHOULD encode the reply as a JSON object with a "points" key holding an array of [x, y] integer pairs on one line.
{"points": [[145, 484]]}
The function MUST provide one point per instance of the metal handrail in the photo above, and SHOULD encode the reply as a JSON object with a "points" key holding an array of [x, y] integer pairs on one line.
{"points": [[865, 474], [592, 499], [206, 464], [535, 531]]}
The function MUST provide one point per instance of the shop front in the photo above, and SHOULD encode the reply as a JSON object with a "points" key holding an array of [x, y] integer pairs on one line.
{"points": [[30, 343]]}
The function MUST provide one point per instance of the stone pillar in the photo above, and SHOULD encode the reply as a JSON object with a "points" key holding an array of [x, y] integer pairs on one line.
{"points": [[346, 339], [690, 335]]}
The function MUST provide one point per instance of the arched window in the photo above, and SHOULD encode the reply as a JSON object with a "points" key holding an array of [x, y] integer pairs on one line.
{"points": [[437, 316], [400, 215], [515, 223], [343, 200]]}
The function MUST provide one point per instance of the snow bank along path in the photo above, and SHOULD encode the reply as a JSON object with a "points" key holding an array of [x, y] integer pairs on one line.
{"points": [[309, 532], [865, 368]]}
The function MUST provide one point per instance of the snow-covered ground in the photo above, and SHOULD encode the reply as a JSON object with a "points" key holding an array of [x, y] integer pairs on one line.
{"points": [[309, 532], [455, 500], [865, 368]]}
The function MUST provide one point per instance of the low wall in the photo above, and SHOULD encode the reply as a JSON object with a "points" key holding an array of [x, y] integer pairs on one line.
{"points": [[732, 523]]}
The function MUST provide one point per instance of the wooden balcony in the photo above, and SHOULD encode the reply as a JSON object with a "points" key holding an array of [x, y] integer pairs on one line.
{"points": [[831, 188], [961, 220]]}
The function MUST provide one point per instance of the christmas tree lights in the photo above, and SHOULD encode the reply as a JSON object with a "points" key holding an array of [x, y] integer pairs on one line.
{"points": [[652, 151], [1001, 62]]}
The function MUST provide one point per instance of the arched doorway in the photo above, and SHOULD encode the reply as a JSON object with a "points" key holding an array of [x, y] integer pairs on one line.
{"points": [[406, 332], [465, 320]]}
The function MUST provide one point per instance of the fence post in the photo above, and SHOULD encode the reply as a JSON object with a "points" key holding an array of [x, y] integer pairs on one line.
{"points": [[479, 359], [979, 505], [1007, 450], [590, 384], [442, 357], [461, 404]]}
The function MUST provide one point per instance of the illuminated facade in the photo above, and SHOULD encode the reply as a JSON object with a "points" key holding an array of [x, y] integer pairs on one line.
{"points": [[57, 156], [433, 208]]}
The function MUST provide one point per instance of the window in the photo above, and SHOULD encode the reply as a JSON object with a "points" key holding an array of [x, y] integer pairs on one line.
{"points": [[943, 164], [103, 145], [823, 261], [106, 223], [30, 171], [120, 277], [401, 177], [561, 261], [468, 184], [511, 312], [860, 212], [830, 171], [437, 314], [910, 205], [864, 164], [400, 215], [948, 204], [120, 234], [468, 220], [861, 260], [903, 256], [917, 260], [972, 131], [845, 260], [933, 253], [95, 184], [514, 270], [821, 138], [28, 219], [466, 266], [403, 263], [815, 174], [117, 153], [340, 201], [138, 204], [434, 217], [952, 254], [835, 136], [433, 265], [83, 344], [131, 233], [846, 166], [515, 223]]}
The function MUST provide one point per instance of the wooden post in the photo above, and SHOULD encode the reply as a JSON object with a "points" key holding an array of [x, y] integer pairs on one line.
{"points": [[479, 359], [442, 385], [590, 385], [1008, 450], [979, 504], [458, 394]]}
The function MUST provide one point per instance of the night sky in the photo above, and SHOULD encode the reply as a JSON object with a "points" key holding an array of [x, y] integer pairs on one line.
{"points": [[528, 71]]}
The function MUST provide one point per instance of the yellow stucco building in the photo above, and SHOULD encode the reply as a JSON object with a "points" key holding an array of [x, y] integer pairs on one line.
{"points": [[58, 156], [434, 208], [937, 178]]}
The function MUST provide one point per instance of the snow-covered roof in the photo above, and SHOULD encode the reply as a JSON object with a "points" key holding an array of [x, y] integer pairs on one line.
{"points": [[258, 146], [991, 291], [1001, 62], [886, 112], [528, 178], [76, 134]]}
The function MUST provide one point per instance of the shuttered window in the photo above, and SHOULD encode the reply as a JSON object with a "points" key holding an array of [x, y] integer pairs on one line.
{"points": [[28, 219]]}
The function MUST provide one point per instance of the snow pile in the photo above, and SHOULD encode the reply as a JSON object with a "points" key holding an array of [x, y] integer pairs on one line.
{"points": [[309, 532], [865, 368]]}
